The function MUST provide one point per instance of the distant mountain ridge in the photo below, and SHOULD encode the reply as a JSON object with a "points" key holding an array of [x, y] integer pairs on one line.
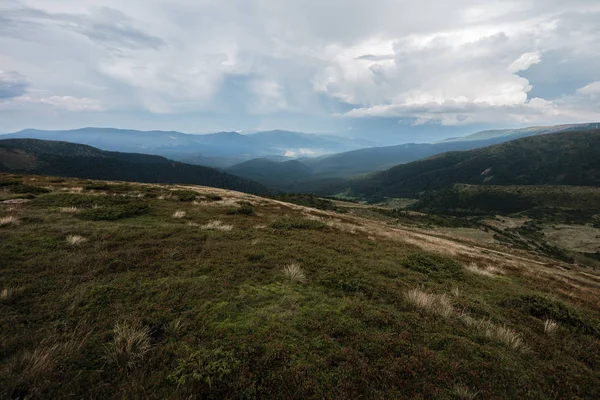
{"points": [[82, 161], [362, 161], [220, 149], [571, 158]]}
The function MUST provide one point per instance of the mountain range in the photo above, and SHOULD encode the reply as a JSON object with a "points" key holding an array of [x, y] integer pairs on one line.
{"points": [[222, 149], [47, 157]]}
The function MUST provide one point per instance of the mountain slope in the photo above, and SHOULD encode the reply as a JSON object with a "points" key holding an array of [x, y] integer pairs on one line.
{"points": [[199, 301], [380, 158], [557, 159], [280, 175], [76, 160]]}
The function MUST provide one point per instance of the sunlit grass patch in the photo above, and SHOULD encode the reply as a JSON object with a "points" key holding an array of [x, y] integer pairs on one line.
{"points": [[75, 240], [294, 273], [550, 326], [493, 331], [179, 214], [216, 225], [438, 304], [10, 220], [487, 271]]}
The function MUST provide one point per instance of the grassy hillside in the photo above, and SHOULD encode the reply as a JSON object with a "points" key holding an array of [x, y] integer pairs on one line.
{"points": [[557, 159], [122, 290], [76, 160]]}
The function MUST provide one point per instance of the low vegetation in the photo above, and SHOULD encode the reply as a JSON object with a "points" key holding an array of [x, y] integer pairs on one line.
{"points": [[286, 302]]}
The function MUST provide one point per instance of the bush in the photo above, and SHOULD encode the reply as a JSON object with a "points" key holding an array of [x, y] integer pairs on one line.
{"points": [[94, 208], [297, 223], [434, 264], [205, 370], [543, 308], [185, 195], [213, 197], [244, 210], [19, 188], [114, 212]]}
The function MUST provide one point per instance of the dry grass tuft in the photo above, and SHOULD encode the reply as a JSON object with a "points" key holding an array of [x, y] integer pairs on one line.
{"points": [[464, 392], [9, 294], [75, 240], [10, 220], [488, 271], [550, 326], [438, 304], [499, 333], [294, 273], [217, 225], [179, 214], [130, 344], [69, 210], [35, 368], [455, 291]]}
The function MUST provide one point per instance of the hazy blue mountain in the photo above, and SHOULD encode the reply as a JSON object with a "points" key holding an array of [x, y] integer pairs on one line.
{"points": [[511, 134], [220, 149], [380, 158], [55, 158]]}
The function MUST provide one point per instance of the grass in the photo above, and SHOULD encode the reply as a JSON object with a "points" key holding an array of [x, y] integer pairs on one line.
{"points": [[75, 240], [10, 220], [152, 307], [436, 304], [130, 345], [217, 225], [550, 326], [487, 271], [179, 214], [294, 273], [464, 392]]}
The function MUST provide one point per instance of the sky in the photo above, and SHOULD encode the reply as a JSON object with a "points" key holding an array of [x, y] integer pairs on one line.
{"points": [[386, 70]]}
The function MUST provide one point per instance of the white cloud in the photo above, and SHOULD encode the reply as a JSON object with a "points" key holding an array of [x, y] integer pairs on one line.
{"points": [[450, 61], [66, 103], [525, 61], [593, 89]]}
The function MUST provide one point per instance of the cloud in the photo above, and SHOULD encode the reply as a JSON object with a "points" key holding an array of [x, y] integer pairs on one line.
{"points": [[525, 61], [12, 84], [70, 103], [593, 89], [253, 63]]}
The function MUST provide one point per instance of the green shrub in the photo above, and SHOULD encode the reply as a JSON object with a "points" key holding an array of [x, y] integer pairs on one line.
{"points": [[542, 308], [95, 208], [213, 197], [244, 210], [433, 264], [184, 195], [297, 223], [113, 213], [346, 279], [97, 186], [205, 370], [20, 188]]}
